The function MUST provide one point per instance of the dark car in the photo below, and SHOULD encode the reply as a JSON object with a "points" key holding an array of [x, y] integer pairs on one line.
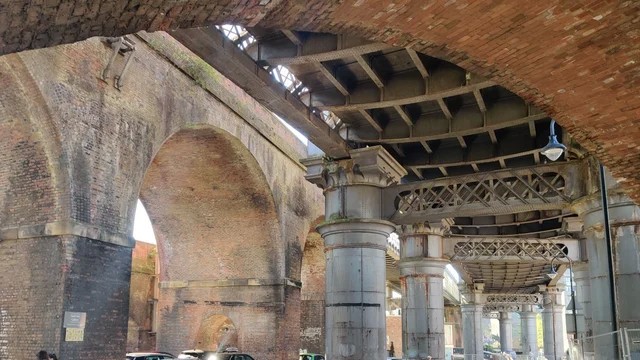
{"points": [[229, 354], [311, 357], [149, 356]]}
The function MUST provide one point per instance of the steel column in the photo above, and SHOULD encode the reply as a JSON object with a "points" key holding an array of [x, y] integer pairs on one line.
{"points": [[421, 276], [554, 324], [583, 298], [506, 332], [472, 324], [529, 330], [624, 218], [355, 240]]}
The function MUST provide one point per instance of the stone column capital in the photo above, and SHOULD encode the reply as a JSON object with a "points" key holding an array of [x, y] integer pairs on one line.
{"points": [[473, 294], [553, 295], [593, 202], [372, 166], [505, 316], [529, 310], [424, 228]]}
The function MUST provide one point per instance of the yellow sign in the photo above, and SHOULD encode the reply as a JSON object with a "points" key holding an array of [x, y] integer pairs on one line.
{"points": [[74, 334]]}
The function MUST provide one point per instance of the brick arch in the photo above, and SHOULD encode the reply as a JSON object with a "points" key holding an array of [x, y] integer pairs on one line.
{"points": [[107, 139], [218, 238], [312, 322], [32, 179], [208, 199], [575, 60], [31, 194], [217, 332]]}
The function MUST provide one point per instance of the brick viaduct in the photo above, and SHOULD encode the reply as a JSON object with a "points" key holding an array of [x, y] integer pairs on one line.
{"points": [[76, 153], [217, 172]]}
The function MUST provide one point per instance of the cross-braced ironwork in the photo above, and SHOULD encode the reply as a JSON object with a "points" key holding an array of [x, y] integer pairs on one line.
{"points": [[496, 249], [504, 191], [490, 308], [517, 299], [490, 315]]}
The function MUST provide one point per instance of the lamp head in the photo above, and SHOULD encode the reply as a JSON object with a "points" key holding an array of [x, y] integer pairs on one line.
{"points": [[554, 149]]}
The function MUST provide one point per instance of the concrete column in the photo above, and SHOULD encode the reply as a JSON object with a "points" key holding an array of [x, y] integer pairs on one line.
{"points": [[506, 332], [554, 323], [472, 324], [529, 330], [624, 218], [355, 240], [583, 301], [421, 276]]}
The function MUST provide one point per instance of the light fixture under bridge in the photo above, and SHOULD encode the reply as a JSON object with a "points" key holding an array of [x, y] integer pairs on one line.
{"points": [[554, 149]]}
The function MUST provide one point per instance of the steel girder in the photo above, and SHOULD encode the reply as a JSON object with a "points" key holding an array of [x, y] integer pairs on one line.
{"points": [[544, 187]]}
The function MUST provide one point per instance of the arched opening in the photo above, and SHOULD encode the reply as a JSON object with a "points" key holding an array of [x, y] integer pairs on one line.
{"points": [[217, 332], [312, 293], [218, 245]]}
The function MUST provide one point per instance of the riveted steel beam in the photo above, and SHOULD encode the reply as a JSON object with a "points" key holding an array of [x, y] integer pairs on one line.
{"points": [[544, 187], [221, 53], [492, 249]]}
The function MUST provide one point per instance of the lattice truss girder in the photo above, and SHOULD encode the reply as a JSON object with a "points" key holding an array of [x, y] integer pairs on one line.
{"points": [[494, 308], [497, 249], [513, 299], [490, 315], [499, 192]]}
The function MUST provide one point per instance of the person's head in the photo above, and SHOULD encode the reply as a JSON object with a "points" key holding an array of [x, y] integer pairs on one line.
{"points": [[43, 355], [53, 357]]}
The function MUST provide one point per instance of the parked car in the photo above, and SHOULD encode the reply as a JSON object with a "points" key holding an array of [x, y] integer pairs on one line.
{"points": [[149, 356], [311, 357], [228, 354]]}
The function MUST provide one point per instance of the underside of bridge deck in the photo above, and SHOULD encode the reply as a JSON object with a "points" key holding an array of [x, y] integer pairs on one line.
{"points": [[471, 148]]}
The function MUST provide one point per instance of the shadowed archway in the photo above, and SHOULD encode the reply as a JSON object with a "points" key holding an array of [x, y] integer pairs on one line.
{"points": [[218, 239]]}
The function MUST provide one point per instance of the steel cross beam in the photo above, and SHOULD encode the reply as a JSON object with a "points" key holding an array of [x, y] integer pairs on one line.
{"points": [[513, 299], [492, 308], [543, 187], [492, 249], [222, 54], [489, 315]]}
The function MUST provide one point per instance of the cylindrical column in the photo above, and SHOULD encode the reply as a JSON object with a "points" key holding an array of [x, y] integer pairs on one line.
{"points": [[421, 276], [355, 288], [529, 330], [355, 240], [583, 299], [472, 330], [554, 324], [506, 332], [624, 218]]}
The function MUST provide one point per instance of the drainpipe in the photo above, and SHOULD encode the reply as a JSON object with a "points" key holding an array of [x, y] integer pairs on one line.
{"points": [[607, 234]]}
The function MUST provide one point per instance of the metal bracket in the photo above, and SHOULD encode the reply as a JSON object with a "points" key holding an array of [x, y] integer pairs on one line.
{"points": [[120, 45]]}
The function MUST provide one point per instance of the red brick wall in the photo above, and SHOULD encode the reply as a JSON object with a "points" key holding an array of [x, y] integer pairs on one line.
{"points": [[574, 59], [394, 333], [312, 317], [81, 149], [141, 296]]}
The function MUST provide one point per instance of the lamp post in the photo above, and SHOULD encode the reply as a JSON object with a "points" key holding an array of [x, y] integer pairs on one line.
{"points": [[553, 150], [573, 294]]}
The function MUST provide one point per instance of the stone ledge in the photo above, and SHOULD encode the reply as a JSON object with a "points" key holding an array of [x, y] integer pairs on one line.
{"points": [[60, 228], [176, 284]]}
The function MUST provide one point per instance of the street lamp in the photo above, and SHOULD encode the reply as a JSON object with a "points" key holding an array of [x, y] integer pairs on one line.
{"points": [[554, 149], [552, 275]]}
